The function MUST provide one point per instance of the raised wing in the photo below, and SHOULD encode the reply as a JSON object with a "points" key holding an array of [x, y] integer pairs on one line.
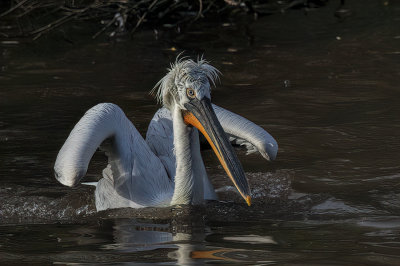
{"points": [[243, 132], [135, 172]]}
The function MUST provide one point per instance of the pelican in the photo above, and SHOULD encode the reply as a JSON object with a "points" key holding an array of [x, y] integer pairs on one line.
{"points": [[166, 168]]}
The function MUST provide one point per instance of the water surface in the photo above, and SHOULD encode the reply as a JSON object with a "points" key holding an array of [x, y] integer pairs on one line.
{"points": [[326, 89]]}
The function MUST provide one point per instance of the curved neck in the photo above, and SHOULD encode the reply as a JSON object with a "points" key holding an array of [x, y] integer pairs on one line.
{"points": [[188, 183]]}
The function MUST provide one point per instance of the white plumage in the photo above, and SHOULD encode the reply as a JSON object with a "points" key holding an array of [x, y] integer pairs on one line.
{"points": [[167, 167]]}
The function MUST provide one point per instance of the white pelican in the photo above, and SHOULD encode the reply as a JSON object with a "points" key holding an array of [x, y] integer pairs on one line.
{"points": [[167, 167]]}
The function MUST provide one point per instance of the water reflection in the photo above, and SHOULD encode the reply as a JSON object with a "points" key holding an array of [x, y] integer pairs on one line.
{"points": [[185, 244], [131, 231], [252, 239], [192, 242], [131, 235]]}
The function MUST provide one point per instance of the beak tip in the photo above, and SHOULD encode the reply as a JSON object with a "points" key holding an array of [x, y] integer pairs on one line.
{"points": [[248, 200]]}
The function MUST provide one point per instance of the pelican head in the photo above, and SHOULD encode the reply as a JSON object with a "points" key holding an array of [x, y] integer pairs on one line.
{"points": [[187, 86], [185, 81]]}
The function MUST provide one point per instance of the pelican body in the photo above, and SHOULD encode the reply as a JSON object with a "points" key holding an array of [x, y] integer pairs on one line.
{"points": [[166, 168]]}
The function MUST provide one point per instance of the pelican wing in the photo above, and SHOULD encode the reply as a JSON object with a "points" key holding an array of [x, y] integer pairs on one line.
{"points": [[134, 176], [160, 139], [243, 132]]}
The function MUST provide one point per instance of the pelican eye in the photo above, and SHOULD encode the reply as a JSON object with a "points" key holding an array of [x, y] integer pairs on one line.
{"points": [[191, 93]]}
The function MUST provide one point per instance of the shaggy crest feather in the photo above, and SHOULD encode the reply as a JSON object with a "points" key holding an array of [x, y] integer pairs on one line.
{"points": [[182, 71]]}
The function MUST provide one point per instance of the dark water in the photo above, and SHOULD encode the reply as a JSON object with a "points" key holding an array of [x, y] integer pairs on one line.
{"points": [[327, 90]]}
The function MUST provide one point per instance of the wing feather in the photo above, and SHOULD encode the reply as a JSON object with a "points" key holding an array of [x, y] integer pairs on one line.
{"points": [[243, 132], [137, 174]]}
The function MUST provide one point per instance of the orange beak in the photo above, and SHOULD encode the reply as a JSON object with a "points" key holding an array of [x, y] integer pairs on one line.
{"points": [[201, 115]]}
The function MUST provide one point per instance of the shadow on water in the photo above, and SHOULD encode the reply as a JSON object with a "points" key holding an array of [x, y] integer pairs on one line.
{"points": [[326, 89]]}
